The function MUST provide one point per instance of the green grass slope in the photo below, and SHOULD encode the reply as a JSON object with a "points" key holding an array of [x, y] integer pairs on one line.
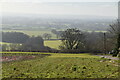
{"points": [[61, 66]]}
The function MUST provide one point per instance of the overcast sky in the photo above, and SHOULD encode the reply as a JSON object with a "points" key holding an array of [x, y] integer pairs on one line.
{"points": [[59, 0], [62, 7]]}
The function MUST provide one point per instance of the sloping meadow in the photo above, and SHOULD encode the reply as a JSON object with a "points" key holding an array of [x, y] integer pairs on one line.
{"points": [[58, 65]]}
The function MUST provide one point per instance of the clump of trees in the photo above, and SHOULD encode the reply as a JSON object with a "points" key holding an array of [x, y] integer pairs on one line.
{"points": [[14, 37], [21, 42], [34, 44]]}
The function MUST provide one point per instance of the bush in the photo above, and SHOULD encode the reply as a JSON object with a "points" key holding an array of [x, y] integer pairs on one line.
{"points": [[118, 55]]}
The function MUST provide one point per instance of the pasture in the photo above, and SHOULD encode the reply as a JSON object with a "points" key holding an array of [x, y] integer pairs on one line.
{"points": [[53, 43], [59, 65], [33, 32]]}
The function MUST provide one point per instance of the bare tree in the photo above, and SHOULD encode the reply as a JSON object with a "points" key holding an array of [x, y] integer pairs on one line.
{"points": [[57, 33], [47, 36], [115, 30]]}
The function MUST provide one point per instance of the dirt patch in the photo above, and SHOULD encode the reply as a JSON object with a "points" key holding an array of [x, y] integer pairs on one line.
{"points": [[13, 57]]}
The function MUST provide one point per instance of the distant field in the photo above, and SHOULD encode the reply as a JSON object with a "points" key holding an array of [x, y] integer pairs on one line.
{"points": [[50, 43], [60, 66], [32, 33], [53, 43], [4, 43]]}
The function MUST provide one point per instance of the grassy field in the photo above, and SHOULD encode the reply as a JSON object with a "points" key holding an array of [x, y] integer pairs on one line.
{"points": [[60, 66], [32, 33], [53, 43], [4, 43]]}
